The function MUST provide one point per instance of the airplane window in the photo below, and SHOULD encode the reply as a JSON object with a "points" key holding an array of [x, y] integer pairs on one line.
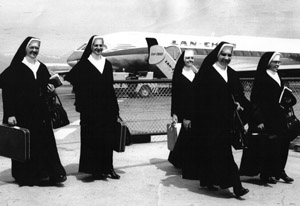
{"points": [[255, 53], [290, 55], [203, 51], [208, 51], [261, 53], [237, 53], [246, 53], [200, 51]]}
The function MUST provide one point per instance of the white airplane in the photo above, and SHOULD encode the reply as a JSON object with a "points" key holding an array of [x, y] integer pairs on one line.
{"points": [[60, 68], [131, 52]]}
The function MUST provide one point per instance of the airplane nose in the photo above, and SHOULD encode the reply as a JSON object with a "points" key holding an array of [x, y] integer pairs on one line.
{"points": [[74, 58], [71, 61]]}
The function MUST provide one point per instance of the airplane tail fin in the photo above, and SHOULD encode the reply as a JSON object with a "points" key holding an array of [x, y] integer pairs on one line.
{"points": [[162, 59], [151, 42]]}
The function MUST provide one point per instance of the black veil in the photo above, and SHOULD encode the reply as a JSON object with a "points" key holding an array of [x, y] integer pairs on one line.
{"points": [[73, 74], [9, 72]]}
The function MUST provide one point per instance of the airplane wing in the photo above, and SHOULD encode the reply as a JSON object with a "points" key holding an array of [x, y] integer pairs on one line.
{"points": [[58, 68]]}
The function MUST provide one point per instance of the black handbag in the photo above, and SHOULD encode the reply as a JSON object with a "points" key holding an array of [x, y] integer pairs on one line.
{"points": [[237, 133], [293, 124], [58, 115]]}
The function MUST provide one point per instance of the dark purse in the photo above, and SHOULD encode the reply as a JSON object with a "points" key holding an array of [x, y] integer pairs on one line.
{"points": [[293, 124], [58, 115], [237, 131]]}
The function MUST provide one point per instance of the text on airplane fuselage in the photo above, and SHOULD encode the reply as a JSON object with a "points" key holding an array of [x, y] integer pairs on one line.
{"points": [[196, 44]]}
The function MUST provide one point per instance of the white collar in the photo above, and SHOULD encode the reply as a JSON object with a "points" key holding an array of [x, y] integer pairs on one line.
{"points": [[222, 72], [32, 66], [188, 73], [274, 75], [98, 63]]}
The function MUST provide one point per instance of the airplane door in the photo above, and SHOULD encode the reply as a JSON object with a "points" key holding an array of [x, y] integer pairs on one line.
{"points": [[174, 52]]}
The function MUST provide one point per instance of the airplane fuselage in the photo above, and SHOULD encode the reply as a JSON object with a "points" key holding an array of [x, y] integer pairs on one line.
{"points": [[128, 51]]}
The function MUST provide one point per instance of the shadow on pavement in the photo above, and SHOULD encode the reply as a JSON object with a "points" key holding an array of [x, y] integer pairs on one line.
{"points": [[173, 178], [6, 178], [72, 170]]}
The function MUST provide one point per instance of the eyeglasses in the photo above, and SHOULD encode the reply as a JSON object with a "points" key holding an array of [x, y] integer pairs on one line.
{"points": [[97, 45], [224, 54], [276, 62], [34, 47], [189, 57]]}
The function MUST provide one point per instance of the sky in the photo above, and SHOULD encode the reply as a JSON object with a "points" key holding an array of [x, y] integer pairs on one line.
{"points": [[63, 25]]}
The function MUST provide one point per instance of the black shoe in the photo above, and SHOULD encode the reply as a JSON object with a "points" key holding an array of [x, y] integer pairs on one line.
{"points": [[240, 192], [113, 175], [286, 178], [58, 179], [212, 188], [266, 179], [203, 184], [26, 183], [99, 177]]}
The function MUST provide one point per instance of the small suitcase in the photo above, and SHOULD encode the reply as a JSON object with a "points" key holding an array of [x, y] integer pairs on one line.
{"points": [[15, 143], [121, 132], [172, 134]]}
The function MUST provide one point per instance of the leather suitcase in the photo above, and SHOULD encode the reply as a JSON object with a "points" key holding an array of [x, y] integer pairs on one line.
{"points": [[15, 143], [121, 131], [172, 134]]}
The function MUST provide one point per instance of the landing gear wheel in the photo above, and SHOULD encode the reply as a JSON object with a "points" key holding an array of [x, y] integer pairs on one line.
{"points": [[145, 91]]}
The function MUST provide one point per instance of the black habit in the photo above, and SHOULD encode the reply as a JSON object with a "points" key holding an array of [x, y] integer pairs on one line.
{"points": [[214, 109], [184, 153], [25, 98], [268, 152], [96, 101]]}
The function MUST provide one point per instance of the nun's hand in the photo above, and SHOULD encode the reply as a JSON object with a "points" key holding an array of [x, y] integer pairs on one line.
{"points": [[261, 126], [12, 120], [187, 124], [51, 88], [239, 107], [174, 118], [246, 127]]}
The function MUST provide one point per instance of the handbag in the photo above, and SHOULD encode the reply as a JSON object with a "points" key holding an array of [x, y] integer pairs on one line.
{"points": [[173, 130], [58, 115], [293, 124], [237, 132]]}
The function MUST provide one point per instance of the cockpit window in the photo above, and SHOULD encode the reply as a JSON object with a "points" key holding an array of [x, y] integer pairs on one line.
{"points": [[82, 47]]}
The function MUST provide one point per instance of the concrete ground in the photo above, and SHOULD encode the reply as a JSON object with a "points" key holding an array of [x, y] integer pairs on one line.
{"points": [[147, 179]]}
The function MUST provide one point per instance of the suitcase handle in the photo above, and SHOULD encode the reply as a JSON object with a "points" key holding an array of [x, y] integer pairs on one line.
{"points": [[12, 126]]}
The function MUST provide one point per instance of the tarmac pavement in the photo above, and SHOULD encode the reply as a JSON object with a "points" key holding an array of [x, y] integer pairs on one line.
{"points": [[147, 179]]}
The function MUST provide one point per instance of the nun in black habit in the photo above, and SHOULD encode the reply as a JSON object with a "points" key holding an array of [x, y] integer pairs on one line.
{"points": [[268, 152], [215, 83], [24, 90], [184, 153], [95, 100]]}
